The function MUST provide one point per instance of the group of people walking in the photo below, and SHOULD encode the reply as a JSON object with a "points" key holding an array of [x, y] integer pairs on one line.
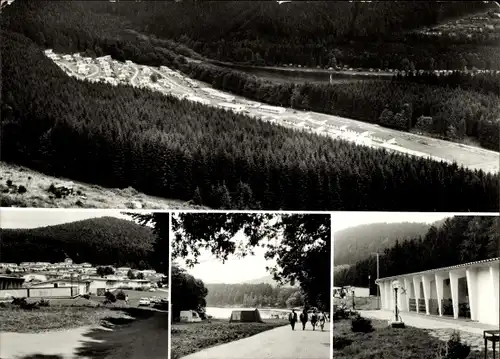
{"points": [[315, 317]]}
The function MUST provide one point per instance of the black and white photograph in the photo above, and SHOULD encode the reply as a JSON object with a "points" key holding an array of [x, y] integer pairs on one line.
{"points": [[251, 105], [251, 285], [415, 285], [83, 284]]}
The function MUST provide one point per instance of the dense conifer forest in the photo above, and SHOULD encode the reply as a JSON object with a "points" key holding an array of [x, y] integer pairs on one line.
{"points": [[457, 240], [252, 295], [99, 241], [121, 136]]}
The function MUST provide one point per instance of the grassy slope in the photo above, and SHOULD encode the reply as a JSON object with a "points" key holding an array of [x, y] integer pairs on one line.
{"points": [[193, 337], [94, 196]]}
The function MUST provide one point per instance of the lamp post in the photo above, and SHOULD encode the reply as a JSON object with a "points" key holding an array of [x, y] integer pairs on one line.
{"points": [[397, 323], [378, 276]]}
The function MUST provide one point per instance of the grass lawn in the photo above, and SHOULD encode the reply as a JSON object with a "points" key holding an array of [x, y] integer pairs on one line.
{"points": [[385, 342], [14, 319], [188, 338]]}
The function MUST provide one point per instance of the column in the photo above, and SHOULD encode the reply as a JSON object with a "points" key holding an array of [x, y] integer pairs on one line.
{"points": [[471, 275], [407, 288], [495, 277], [439, 290], [390, 297], [401, 300], [427, 292], [454, 292], [416, 288]]}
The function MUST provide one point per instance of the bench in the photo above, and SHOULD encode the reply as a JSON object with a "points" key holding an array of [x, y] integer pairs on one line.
{"points": [[492, 336]]}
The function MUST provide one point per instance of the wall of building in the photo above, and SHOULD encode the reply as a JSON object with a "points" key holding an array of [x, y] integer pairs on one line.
{"points": [[37, 292], [18, 293]]}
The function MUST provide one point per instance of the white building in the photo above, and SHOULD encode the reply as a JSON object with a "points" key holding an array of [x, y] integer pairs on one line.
{"points": [[218, 95], [79, 286], [468, 290], [272, 109]]}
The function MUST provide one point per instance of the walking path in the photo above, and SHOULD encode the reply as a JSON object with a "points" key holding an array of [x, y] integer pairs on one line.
{"points": [[278, 343], [441, 328]]}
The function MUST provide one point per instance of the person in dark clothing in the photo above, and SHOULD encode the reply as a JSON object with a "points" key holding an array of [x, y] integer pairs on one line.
{"points": [[314, 319], [292, 318], [303, 319]]}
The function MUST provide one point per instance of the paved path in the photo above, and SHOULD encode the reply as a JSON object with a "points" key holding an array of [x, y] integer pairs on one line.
{"points": [[278, 343], [58, 342], [441, 328]]}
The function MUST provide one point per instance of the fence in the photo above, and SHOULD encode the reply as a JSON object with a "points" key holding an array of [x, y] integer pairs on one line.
{"points": [[38, 292]]}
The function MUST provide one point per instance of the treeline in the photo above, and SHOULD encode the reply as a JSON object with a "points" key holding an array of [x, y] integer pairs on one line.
{"points": [[452, 108], [320, 33], [458, 240], [122, 136], [99, 241], [486, 83], [252, 295]]}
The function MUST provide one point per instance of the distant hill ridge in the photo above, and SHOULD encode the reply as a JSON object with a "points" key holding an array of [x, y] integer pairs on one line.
{"points": [[357, 243], [104, 240]]}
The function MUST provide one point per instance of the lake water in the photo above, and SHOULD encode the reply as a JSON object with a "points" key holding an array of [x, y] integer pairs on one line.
{"points": [[225, 313]]}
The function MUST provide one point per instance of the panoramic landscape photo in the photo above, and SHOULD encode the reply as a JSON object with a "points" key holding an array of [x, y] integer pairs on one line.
{"points": [[251, 285], [275, 105], [415, 285], [89, 284]]}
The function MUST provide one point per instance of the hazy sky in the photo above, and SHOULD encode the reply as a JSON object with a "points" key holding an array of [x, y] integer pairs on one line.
{"points": [[342, 220], [235, 270], [32, 218]]}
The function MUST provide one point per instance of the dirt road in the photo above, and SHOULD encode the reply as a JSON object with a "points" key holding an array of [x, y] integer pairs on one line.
{"points": [[62, 343], [279, 343]]}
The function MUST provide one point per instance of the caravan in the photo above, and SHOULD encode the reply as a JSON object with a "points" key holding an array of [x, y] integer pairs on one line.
{"points": [[189, 316]]}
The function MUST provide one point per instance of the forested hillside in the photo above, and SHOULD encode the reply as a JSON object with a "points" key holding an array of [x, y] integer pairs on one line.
{"points": [[448, 107], [357, 243], [253, 295], [122, 136], [312, 33], [100, 241], [458, 240]]}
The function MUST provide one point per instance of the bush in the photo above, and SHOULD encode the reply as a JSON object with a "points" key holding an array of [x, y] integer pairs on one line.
{"points": [[86, 296], [454, 348], [22, 189], [44, 303], [120, 295], [362, 325], [9, 183], [110, 297], [340, 343]]}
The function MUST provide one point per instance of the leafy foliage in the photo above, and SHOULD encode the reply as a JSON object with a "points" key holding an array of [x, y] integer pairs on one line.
{"points": [[460, 239], [300, 244], [98, 241], [187, 292]]}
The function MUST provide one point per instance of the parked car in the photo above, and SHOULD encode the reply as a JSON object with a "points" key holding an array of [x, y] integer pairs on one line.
{"points": [[152, 290], [144, 302]]}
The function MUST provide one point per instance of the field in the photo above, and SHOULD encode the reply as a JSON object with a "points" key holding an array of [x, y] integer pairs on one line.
{"points": [[92, 196], [385, 342], [343, 128], [188, 338]]}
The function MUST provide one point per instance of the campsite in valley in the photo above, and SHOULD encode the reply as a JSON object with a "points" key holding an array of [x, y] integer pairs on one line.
{"points": [[236, 278]]}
